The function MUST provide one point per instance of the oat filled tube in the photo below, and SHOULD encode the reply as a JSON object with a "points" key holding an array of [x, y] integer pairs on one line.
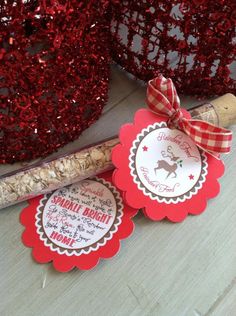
{"points": [[47, 176]]}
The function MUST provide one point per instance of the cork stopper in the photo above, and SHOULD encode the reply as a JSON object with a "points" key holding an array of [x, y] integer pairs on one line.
{"points": [[225, 107], [221, 111]]}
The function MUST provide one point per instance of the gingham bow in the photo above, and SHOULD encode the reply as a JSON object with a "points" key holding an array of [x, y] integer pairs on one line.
{"points": [[162, 99]]}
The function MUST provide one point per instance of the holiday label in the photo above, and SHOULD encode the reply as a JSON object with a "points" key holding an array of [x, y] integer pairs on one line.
{"points": [[80, 218], [161, 170], [166, 165], [77, 225]]}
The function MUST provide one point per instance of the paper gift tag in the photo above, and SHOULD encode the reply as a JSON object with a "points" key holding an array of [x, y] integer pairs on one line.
{"points": [[162, 171], [77, 225]]}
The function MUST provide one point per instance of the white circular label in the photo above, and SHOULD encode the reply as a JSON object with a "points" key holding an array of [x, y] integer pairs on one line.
{"points": [[166, 164], [79, 218]]}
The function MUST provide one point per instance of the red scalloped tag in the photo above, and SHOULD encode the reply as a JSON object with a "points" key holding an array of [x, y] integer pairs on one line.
{"points": [[77, 225], [162, 171]]}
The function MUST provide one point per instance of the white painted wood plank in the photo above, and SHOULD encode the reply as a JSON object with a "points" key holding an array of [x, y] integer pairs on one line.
{"points": [[121, 86], [226, 304], [163, 269]]}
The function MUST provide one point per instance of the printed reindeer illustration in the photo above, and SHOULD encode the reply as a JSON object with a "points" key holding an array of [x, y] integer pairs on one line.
{"points": [[163, 164]]}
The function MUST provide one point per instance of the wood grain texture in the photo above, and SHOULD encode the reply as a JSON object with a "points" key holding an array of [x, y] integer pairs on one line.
{"points": [[165, 269]]}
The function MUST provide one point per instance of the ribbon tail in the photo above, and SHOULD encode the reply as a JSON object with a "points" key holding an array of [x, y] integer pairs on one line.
{"points": [[212, 139]]}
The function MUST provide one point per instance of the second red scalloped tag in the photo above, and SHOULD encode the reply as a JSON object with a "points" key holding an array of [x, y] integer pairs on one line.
{"points": [[162, 171], [77, 225]]}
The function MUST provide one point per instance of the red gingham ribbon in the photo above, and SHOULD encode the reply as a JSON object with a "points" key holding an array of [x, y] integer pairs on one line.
{"points": [[163, 99]]}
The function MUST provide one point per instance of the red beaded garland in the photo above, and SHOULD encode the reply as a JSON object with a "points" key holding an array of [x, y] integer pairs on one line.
{"points": [[191, 41], [54, 68]]}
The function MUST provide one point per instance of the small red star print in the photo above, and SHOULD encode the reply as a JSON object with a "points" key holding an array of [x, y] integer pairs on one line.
{"points": [[145, 148], [191, 177]]}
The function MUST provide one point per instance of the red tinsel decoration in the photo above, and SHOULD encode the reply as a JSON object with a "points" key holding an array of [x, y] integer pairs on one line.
{"points": [[53, 73], [191, 41]]}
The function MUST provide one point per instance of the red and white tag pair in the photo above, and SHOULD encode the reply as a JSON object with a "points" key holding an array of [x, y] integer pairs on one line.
{"points": [[166, 164]]}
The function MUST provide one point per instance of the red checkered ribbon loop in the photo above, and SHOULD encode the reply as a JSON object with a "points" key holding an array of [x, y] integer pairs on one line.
{"points": [[163, 99]]}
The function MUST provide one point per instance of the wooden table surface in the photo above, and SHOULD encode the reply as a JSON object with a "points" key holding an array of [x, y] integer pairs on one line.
{"points": [[185, 269]]}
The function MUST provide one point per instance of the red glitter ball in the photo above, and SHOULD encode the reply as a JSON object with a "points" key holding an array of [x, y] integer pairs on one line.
{"points": [[54, 68], [193, 42]]}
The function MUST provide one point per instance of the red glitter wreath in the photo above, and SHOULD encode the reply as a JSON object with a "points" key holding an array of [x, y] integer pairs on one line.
{"points": [[54, 67], [191, 41]]}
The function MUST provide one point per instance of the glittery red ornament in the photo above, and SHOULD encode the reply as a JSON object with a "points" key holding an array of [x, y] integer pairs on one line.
{"points": [[191, 41], [53, 73]]}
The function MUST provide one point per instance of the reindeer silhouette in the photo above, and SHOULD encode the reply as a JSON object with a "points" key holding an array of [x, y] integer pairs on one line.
{"points": [[163, 164]]}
